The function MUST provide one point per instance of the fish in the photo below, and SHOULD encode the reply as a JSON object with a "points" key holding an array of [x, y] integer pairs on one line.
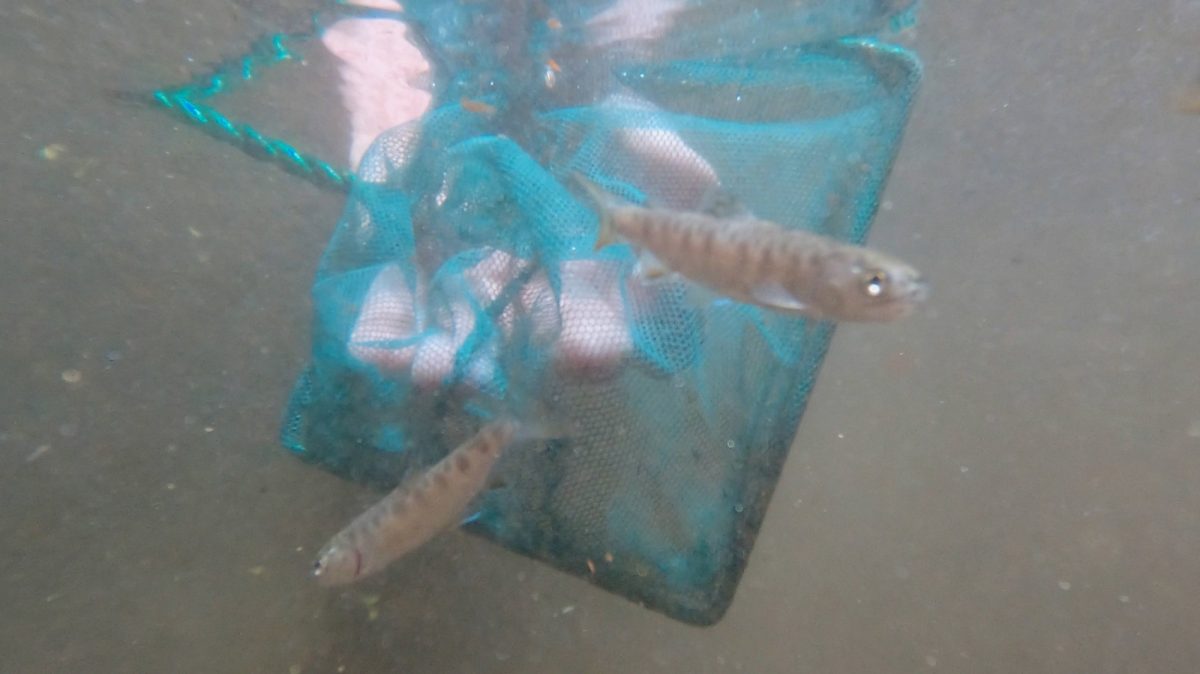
{"points": [[729, 251], [417, 510]]}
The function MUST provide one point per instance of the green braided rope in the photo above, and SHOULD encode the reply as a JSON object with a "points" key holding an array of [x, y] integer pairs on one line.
{"points": [[315, 170], [263, 53]]}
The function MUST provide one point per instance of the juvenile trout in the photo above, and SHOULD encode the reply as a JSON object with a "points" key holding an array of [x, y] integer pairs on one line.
{"points": [[760, 262], [416, 511]]}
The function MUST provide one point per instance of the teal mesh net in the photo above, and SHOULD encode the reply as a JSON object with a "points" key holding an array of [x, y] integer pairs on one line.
{"points": [[462, 279]]}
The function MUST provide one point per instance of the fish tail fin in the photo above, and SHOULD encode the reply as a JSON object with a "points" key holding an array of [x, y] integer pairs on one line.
{"points": [[542, 431], [604, 203], [532, 419], [539, 422]]}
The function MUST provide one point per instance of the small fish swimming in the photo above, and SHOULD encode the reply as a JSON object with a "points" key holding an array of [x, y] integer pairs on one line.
{"points": [[729, 251], [416, 511]]}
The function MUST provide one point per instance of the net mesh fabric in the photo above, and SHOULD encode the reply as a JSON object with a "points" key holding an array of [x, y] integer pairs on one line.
{"points": [[462, 280]]}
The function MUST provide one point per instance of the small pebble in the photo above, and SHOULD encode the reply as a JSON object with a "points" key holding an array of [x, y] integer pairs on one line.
{"points": [[72, 376], [1124, 599], [1066, 585], [257, 570], [567, 609], [931, 661]]}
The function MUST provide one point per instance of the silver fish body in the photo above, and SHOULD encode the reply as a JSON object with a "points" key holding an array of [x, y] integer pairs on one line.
{"points": [[763, 263], [413, 513]]}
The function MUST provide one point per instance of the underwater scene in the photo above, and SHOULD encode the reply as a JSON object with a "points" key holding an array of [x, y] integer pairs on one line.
{"points": [[600, 336]]}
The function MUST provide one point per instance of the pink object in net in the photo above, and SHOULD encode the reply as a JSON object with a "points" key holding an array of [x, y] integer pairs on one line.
{"points": [[586, 323], [382, 74]]}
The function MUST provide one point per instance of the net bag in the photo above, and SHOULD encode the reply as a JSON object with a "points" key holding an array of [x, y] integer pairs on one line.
{"points": [[463, 281]]}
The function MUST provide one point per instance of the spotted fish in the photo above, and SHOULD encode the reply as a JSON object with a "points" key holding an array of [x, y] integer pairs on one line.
{"points": [[733, 253], [413, 513]]}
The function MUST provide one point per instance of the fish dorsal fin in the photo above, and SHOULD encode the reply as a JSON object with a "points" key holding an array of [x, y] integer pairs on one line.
{"points": [[721, 203], [772, 294]]}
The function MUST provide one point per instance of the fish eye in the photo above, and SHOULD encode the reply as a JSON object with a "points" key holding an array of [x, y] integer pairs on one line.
{"points": [[875, 283], [317, 566]]}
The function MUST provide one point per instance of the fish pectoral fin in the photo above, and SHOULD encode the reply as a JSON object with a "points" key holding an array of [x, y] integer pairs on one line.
{"points": [[772, 294], [721, 203], [605, 234], [650, 267]]}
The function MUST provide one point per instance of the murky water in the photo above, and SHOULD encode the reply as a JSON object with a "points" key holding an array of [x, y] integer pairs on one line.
{"points": [[1006, 482]]}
